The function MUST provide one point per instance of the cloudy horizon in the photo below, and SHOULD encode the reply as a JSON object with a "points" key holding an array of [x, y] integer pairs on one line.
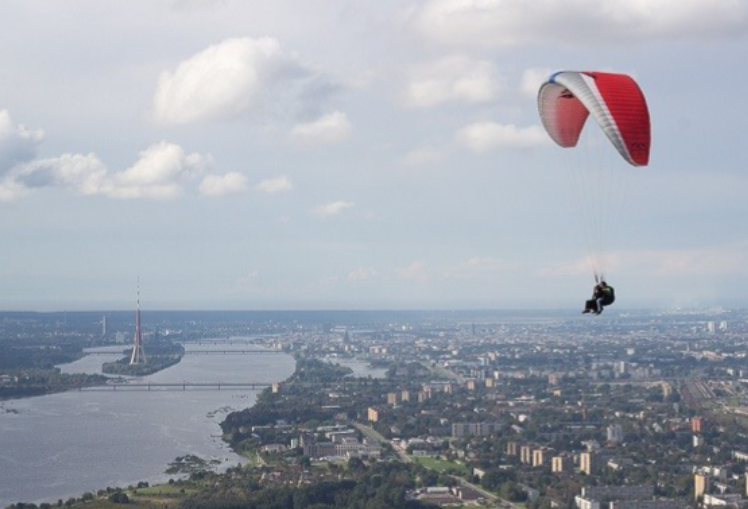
{"points": [[341, 155]]}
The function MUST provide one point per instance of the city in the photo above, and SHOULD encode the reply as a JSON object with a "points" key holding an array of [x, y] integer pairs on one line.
{"points": [[334, 254], [643, 410]]}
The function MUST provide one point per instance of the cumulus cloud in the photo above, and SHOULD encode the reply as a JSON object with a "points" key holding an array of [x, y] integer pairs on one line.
{"points": [[234, 79], [508, 23], [158, 173], [18, 144], [83, 174], [221, 185], [485, 136], [456, 78], [331, 128], [532, 78], [275, 185], [333, 209], [161, 172], [10, 190]]}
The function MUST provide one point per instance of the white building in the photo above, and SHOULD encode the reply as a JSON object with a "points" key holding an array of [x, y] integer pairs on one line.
{"points": [[615, 433], [586, 503]]}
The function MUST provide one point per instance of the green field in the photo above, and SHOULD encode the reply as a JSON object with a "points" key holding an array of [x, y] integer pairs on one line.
{"points": [[441, 465], [167, 490]]}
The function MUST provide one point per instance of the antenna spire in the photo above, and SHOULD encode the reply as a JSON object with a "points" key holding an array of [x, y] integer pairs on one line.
{"points": [[138, 353]]}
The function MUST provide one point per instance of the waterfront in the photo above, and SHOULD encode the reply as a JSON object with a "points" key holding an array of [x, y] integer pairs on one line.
{"points": [[62, 445]]}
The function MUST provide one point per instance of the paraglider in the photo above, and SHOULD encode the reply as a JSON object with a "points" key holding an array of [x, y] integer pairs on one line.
{"points": [[617, 105], [602, 295]]}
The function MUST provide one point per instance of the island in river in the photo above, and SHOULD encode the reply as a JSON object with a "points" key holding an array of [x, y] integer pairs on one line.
{"points": [[29, 368], [160, 356]]}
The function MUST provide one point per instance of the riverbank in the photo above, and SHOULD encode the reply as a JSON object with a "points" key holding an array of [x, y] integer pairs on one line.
{"points": [[280, 473], [47, 441], [28, 384]]}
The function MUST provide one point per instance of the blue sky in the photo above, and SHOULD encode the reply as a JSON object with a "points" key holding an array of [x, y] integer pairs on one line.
{"points": [[324, 154]]}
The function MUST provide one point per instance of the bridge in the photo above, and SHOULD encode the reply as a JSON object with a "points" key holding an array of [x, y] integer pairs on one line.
{"points": [[181, 386], [206, 352], [121, 386], [224, 341]]}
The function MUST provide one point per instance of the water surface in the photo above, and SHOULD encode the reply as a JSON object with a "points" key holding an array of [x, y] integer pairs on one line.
{"points": [[62, 445]]}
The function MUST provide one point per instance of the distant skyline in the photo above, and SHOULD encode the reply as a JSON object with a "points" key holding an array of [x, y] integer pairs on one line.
{"points": [[356, 155]]}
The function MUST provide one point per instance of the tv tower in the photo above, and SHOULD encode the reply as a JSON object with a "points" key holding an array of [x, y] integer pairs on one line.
{"points": [[138, 354]]}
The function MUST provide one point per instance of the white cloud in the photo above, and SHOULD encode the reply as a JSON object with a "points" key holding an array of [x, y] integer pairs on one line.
{"points": [[580, 266], [509, 23], [18, 144], [416, 271], [485, 136], [10, 190], [331, 128], [275, 185], [711, 261], [160, 172], [456, 78], [333, 209], [532, 78], [235, 78], [362, 274], [83, 174], [221, 185]]}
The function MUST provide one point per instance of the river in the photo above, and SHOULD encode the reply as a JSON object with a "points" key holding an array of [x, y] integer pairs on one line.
{"points": [[61, 445]]}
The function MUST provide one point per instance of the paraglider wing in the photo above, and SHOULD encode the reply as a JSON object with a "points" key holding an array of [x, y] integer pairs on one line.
{"points": [[615, 101]]}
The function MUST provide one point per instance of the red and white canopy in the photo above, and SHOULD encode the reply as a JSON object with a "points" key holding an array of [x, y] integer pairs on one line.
{"points": [[615, 101]]}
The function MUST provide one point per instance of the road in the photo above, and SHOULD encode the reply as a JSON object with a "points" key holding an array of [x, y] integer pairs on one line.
{"points": [[370, 432], [373, 434]]}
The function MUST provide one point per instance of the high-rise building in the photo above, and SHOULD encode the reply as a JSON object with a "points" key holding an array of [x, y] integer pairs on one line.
{"points": [[696, 424], [615, 434], [372, 414], [525, 454], [562, 464], [700, 485], [587, 462], [539, 457], [667, 389]]}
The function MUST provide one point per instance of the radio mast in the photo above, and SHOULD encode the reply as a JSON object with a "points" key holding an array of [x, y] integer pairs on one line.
{"points": [[138, 354]]}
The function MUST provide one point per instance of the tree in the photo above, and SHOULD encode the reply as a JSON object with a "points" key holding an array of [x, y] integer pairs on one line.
{"points": [[119, 498]]}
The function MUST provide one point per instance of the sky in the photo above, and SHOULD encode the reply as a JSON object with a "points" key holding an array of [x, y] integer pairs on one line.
{"points": [[332, 154]]}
